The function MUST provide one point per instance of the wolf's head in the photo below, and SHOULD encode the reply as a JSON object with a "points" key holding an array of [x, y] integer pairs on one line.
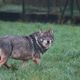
{"points": [[44, 38]]}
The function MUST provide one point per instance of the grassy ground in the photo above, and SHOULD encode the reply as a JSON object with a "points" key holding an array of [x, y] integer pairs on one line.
{"points": [[60, 62]]}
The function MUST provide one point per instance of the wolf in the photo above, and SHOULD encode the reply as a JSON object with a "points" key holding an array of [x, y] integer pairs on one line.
{"points": [[25, 48]]}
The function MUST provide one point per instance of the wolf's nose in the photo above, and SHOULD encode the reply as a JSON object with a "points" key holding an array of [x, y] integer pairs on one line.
{"points": [[48, 42]]}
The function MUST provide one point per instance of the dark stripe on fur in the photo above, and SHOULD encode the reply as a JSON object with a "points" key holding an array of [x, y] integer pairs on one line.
{"points": [[38, 48]]}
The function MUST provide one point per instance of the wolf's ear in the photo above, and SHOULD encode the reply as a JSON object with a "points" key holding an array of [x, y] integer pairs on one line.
{"points": [[41, 32], [50, 31]]}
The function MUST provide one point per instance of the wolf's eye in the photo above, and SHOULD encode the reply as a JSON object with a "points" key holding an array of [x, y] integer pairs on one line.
{"points": [[41, 40]]}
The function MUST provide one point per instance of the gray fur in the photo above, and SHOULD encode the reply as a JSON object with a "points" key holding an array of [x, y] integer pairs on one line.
{"points": [[25, 47]]}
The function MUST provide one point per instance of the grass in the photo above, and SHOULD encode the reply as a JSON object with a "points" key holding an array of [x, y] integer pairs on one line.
{"points": [[60, 62]]}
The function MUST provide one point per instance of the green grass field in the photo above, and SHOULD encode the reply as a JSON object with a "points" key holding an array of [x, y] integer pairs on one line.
{"points": [[60, 62]]}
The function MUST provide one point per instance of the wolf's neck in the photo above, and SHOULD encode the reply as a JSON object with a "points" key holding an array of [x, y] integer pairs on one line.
{"points": [[38, 48]]}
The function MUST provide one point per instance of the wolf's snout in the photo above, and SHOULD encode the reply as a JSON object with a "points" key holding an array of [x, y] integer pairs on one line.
{"points": [[48, 42]]}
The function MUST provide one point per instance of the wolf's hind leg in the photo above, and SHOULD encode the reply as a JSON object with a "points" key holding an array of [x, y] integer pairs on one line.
{"points": [[3, 58]]}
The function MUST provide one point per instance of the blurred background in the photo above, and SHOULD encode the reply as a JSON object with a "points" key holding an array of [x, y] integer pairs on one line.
{"points": [[59, 11]]}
